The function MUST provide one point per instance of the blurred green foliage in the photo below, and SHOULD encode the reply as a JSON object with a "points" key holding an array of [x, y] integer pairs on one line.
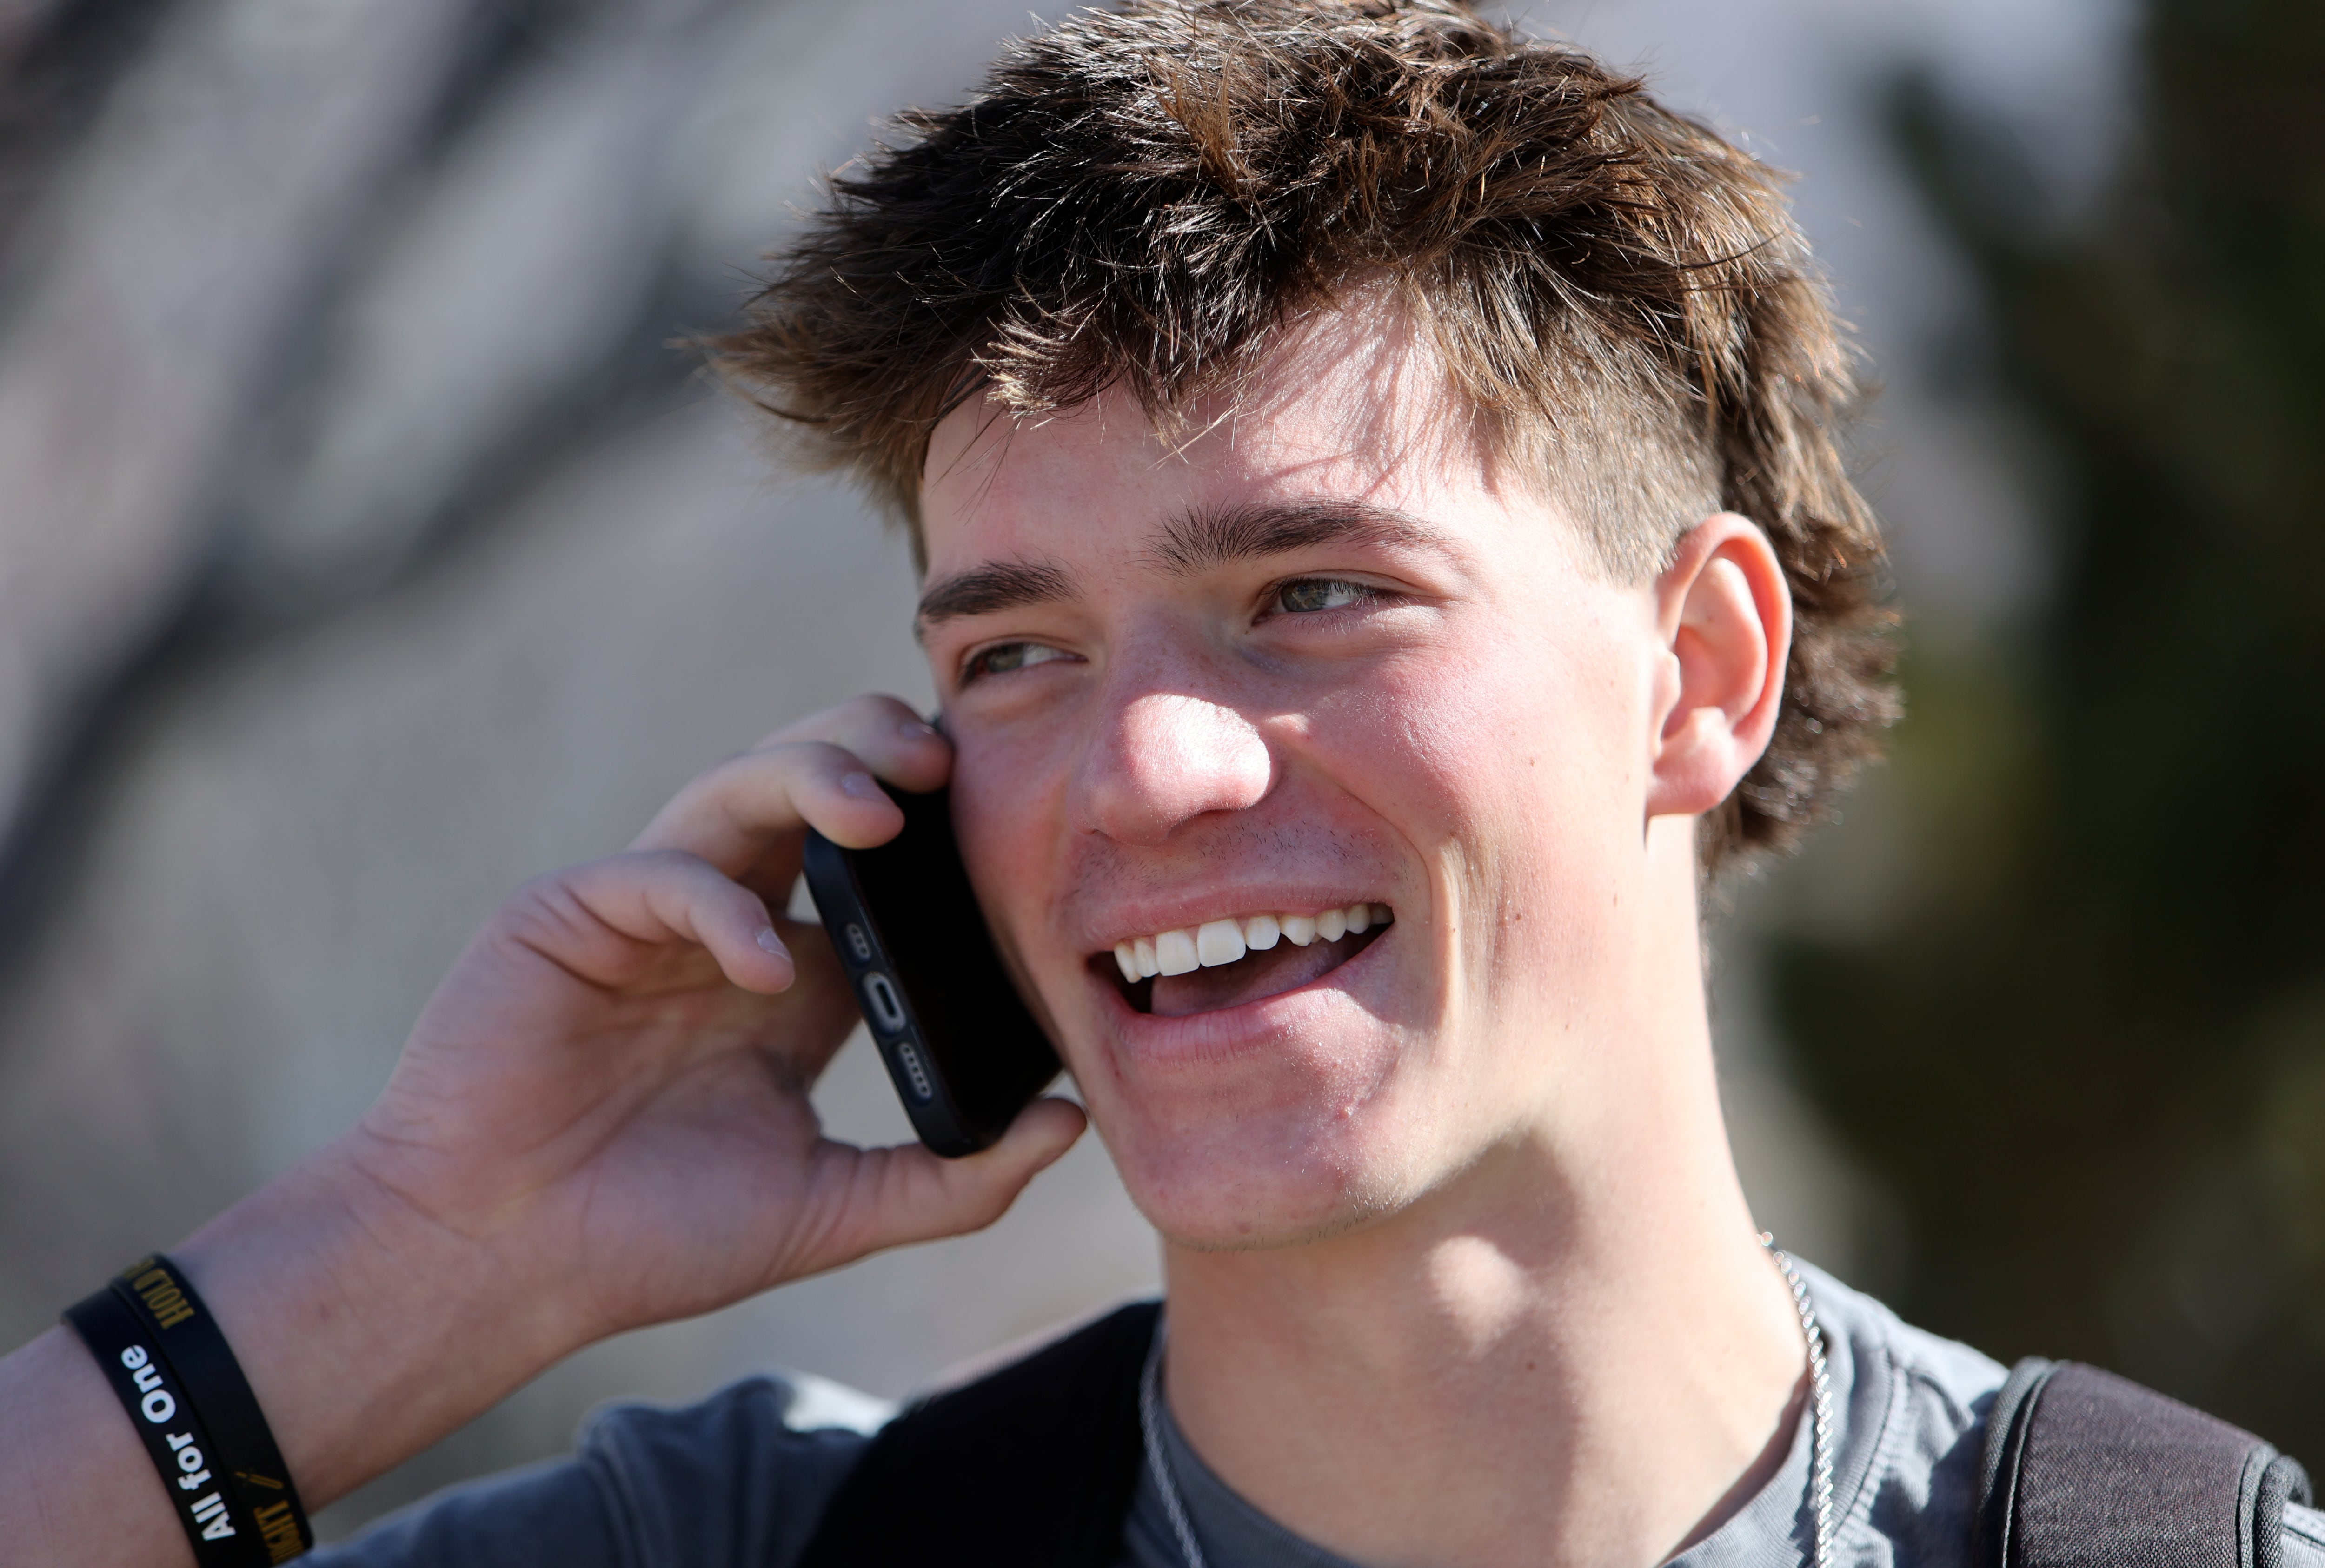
{"points": [[2087, 1055]]}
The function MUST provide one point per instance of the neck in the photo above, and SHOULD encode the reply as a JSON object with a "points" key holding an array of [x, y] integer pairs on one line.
{"points": [[1576, 1350]]}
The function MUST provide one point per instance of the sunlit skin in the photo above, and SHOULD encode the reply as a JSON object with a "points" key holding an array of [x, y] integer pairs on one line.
{"points": [[1432, 1169], [1460, 732], [1459, 1273]]}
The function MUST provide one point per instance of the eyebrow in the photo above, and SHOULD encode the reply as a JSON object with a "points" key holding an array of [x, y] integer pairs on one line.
{"points": [[1217, 536], [987, 590], [1206, 538]]}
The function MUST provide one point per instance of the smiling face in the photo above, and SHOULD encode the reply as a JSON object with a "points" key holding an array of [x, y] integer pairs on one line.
{"points": [[1303, 769]]}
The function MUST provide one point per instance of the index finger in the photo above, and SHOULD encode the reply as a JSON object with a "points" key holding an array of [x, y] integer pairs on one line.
{"points": [[749, 813], [874, 727]]}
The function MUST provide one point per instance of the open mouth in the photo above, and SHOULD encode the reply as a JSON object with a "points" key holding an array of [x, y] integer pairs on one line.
{"points": [[1224, 963]]}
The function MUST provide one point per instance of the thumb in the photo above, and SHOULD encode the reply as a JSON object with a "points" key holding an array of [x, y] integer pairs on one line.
{"points": [[900, 1196]]}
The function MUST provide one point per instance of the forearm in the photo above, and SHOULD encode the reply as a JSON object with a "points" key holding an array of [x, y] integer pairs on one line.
{"points": [[367, 1332], [366, 1335], [76, 1488], [601, 1121]]}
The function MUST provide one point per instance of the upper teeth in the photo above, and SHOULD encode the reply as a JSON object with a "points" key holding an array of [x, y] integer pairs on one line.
{"points": [[1217, 942]]}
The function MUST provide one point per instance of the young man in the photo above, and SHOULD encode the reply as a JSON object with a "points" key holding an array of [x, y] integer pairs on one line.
{"points": [[1384, 538]]}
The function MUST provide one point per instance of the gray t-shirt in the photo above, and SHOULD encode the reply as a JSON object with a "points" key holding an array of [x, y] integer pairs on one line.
{"points": [[741, 1480]]}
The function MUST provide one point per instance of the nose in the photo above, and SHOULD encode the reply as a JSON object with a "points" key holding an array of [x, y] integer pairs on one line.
{"points": [[1163, 758]]}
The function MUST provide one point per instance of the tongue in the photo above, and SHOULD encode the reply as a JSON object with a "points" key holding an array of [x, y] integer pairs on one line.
{"points": [[1281, 968]]}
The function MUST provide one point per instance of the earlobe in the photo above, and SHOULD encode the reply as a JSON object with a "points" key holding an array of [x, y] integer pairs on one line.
{"points": [[1724, 615]]}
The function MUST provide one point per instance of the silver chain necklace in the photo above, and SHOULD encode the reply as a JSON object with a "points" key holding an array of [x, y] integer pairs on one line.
{"points": [[1158, 1461], [1819, 1409]]}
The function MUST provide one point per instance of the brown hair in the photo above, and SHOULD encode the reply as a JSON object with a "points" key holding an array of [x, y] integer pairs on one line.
{"points": [[1143, 197]]}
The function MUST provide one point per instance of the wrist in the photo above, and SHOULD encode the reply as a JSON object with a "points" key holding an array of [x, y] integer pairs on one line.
{"points": [[383, 1330], [81, 1489], [189, 1402]]}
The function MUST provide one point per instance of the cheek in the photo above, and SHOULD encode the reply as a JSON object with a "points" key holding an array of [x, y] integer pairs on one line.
{"points": [[1007, 814], [1511, 764], [1509, 737]]}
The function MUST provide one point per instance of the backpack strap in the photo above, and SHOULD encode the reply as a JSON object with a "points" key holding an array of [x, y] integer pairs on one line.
{"points": [[2085, 1469], [1034, 1466]]}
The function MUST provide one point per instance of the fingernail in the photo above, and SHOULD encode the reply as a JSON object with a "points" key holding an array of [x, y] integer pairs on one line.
{"points": [[863, 786], [770, 942], [914, 730]]}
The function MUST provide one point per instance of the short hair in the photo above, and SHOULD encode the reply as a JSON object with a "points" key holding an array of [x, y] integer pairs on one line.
{"points": [[1144, 196]]}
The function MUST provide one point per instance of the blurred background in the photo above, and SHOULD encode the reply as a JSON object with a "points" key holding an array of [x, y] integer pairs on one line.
{"points": [[368, 543]]}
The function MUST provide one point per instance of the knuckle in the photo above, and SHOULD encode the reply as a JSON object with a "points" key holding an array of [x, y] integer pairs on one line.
{"points": [[794, 757], [722, 777], [728, 787], [541, 906], [879, 707], [540, 889], [825, 754], [839, 716], [655, 865], [551, 892], [857, 714]]}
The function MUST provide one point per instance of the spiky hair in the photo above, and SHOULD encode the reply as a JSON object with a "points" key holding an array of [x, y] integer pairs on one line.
{"points": [[1146, 197]]}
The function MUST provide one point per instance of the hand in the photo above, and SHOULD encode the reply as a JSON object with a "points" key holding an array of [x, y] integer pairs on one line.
{"points": [[600, 1121], [608, 1095]]}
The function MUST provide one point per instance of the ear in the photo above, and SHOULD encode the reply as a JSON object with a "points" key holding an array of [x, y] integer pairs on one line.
{"points": [[1724, 614]]}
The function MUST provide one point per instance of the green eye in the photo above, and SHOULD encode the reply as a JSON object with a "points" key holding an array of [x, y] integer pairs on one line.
{"points": [[1311, 594], [1006, 657]]}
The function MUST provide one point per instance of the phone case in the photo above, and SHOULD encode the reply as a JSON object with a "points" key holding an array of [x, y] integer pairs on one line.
{"points": [[961, 1048]]}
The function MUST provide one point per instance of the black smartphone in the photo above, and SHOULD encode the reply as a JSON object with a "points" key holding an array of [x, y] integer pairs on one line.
{"points": [[964, 1053]]}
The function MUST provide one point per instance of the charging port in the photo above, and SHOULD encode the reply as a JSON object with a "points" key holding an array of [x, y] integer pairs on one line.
{"points": [[888, 1008]]}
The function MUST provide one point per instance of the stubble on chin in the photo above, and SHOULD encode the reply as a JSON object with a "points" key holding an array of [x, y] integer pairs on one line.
{"points": [[1274, 1210]]}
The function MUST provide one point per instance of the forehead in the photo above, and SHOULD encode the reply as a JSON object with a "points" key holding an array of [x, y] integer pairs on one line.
{"points": [[1353, 406]]}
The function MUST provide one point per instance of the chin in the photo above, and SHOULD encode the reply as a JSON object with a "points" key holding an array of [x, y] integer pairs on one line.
{"points": [[1251, 1188], [1268, 1099], [1292, 1149]]}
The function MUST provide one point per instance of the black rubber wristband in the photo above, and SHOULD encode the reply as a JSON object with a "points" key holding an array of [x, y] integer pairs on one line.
{"points": [[158, 1407], [157, 1291]]}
